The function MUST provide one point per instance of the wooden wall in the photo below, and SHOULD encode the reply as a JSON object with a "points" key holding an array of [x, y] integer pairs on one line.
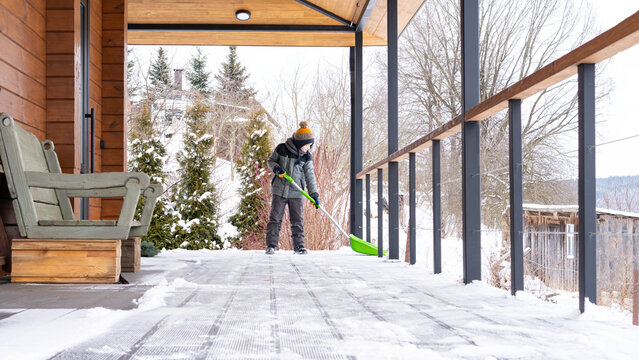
{"points": [[64, 103], [23, 81], [95, 90], [545, 234], [23, 63], [114, 96], [617, 253], [40, 85]]}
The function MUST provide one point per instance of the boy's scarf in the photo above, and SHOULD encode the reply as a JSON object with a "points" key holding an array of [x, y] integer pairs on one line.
{"points": [[290, 145]]}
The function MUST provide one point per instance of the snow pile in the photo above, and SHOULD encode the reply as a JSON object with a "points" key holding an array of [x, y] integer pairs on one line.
{"points": [[227, 184], [42, 333], [155, 297]]}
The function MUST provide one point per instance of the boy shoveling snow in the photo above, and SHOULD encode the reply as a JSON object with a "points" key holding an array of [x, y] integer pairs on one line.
{"points": [[293, 158]]}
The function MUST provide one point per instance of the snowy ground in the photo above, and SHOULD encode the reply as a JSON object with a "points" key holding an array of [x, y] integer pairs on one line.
{"points": [[326, 305]]}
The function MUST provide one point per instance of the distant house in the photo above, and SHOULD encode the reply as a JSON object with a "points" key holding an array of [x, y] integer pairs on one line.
{"points": [[550, 231], [231, 120]]}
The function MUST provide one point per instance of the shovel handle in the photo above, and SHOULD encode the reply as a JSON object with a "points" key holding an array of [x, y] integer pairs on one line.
{"points": [[290, 179]]}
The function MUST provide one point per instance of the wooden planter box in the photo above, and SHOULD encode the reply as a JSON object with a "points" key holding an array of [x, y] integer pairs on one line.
{"points": [[65, 261], [131, 255]]}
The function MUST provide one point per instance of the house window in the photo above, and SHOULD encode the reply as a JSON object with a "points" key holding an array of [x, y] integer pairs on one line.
{"points": [[570, 241], [168, 118]]}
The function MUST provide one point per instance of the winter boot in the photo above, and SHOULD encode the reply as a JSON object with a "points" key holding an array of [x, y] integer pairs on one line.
{"points": [[270, 250], [301, 250]]}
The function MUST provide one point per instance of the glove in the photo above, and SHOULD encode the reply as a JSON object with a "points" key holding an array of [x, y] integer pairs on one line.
{"points": [[315, 197], [278, 171]]}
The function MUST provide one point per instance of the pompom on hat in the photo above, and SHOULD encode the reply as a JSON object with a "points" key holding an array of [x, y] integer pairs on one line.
{"points": [[303, 135]]}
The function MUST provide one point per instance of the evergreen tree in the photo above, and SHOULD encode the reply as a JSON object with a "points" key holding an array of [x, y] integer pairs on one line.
{"points": [[197, 75], [195, 199], [252, 214], [133, 83], [232, 78], [148, 155], [159, 72]]}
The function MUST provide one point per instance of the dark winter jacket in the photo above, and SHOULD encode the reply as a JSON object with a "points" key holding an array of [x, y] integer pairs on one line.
{"points": [[298, 165]]}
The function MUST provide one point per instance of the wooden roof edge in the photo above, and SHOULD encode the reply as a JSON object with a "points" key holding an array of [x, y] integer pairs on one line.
{"points": [[609, 43], [574, 209]]}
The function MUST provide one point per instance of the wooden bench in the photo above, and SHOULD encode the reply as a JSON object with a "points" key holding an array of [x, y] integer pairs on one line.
{"points": [[40, 193]]}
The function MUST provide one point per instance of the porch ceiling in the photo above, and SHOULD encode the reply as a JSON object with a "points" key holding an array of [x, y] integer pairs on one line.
{"points": [[274, 22]]}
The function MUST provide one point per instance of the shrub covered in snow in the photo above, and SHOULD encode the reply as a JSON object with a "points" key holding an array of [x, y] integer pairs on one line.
{"points": [[195, 199], [252, 214], [148, 155]]}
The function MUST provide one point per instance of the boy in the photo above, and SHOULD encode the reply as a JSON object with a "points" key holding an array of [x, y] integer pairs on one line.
{"points": [[294, 158]]}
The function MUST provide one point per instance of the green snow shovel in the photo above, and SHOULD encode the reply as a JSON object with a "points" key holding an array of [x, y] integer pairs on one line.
{"points": [[357, 244]]}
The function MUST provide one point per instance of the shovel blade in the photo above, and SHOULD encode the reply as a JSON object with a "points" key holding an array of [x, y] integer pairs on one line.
{"points": [[363, 247]]}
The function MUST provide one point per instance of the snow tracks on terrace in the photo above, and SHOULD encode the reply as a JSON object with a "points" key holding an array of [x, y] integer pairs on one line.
{"points": [[340, 305]]}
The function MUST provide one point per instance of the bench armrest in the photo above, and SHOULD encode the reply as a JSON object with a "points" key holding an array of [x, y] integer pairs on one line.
{"points": [[85, 181], [151, 195]]}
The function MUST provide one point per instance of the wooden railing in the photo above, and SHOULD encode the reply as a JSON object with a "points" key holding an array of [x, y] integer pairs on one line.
{"points": [[621, 37]]}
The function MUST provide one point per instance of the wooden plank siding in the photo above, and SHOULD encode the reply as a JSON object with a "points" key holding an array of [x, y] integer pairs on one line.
{"points": [[95, 91], [114, 96], [64, 97], [617, 238], [40, 81], [23, 90], [22, 64]]}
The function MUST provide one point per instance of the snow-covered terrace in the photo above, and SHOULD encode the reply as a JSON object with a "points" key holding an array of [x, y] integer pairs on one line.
{"points": [[326, 305]]}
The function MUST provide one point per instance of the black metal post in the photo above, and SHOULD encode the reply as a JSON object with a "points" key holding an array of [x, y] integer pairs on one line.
{"points": [[587, 182], [437, 209], [356, 136], [412, 204], [471, 189], [380, 212], [516, 198], [351, 215], [359, 142], [368, 207], [393, 132]]}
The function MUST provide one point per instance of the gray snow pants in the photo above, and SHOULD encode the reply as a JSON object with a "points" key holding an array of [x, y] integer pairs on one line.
{"points": [[295, 209]]}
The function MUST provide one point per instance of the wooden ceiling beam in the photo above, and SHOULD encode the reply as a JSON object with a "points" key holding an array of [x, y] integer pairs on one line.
{"points": [[256, 38], [325, 12], [242, 28]]}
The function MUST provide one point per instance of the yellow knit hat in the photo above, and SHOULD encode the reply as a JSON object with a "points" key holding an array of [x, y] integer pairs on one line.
{"points": [[303, 135]]}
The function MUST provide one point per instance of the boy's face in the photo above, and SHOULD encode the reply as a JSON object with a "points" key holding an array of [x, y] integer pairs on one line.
{"points": [[305, 148]]}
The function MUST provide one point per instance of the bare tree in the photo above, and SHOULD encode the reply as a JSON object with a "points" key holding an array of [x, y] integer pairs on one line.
{"points": [[517, 38], [621, 193]]}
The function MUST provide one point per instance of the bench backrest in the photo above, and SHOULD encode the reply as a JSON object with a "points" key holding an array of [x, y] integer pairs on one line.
{"points": [[21, 151]]}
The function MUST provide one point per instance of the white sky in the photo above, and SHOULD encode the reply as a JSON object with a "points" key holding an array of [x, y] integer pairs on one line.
{"points": [[269, 65], [620, 116]]}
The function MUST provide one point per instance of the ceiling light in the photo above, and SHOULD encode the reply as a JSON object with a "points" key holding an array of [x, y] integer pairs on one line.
{"points": [[242, 15]]}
